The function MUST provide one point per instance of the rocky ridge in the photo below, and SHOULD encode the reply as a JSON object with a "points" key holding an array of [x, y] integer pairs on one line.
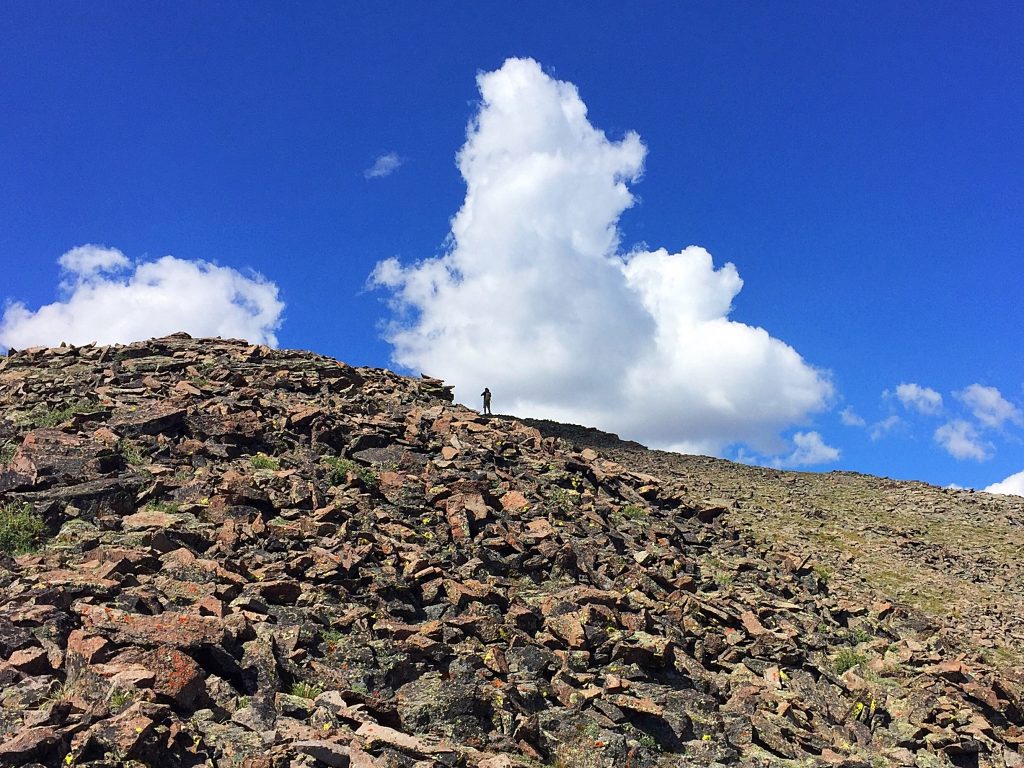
{"points": [[257, 557]]}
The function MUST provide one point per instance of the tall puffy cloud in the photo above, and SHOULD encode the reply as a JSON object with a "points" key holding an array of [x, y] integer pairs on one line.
{"points": [[108, 299], [535, 299]]}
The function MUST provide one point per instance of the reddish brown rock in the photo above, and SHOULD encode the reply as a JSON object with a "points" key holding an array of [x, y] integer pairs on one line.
{"points": [[514, 501], [375, 735], [30, 744], [179, 630], [175, 675]]}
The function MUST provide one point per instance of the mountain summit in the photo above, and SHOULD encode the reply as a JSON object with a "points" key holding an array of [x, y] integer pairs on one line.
{"points": [[216, 553]]}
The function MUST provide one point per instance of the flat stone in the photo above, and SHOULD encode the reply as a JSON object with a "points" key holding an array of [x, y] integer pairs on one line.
{"points": [[374, 734], [180, 630], [327, 752], [31, 661], [150, 419], [28, 744], [149, 518], [513, 501]]}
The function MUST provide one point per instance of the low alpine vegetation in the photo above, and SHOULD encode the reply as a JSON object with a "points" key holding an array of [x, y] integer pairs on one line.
{"points": [[21, 530], [263, 461]]}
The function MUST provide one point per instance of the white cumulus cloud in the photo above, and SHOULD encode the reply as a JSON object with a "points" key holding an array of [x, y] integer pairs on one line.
{"points": [[989, 406], [961, 440], [1014, 485], [85, 261], [108, 299], [535, 298], [921, 399], [810, 449], [384, 165]]}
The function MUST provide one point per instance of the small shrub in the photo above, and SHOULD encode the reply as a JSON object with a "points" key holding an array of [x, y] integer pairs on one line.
{"points": [[7, 451], [723, 578], [648, 742], [565, 499], [633, 512], [847, 659], [131, 453], [331, 638], [339, 468], [861, 635], [21, 530], [119, 699], [306, 691], [171, 507], [262, 461]]}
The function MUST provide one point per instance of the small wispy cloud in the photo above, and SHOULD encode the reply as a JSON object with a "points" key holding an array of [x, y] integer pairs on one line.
{"points": [[917, 398], [880, 429], [961, 441], [989, 407], [384, 165], [850, 418]]}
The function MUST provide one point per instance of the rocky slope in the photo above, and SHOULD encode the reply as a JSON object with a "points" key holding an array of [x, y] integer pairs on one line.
{"points": [[952, 555], [221, 554]]}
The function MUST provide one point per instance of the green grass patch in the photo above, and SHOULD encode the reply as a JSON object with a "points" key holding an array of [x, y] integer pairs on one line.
{"points": [[41, 416], [823, 573], [21, 530], [331, 640], [120, 699], [565, 499], [861, 634], [305, 690], [847, 659], [339, 469], [633, 512], [262, 461], [723, 578], [131, 453], [7, 451], [171, 507]]}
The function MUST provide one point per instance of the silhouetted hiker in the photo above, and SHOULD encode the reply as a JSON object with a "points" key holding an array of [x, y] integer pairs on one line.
{"points": [[487, 401]]}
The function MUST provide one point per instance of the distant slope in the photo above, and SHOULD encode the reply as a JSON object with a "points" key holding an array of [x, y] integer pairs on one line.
{"points": [[954, 555]]}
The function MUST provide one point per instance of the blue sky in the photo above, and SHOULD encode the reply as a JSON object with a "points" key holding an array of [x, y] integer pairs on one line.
{"points": [[859, 164]]}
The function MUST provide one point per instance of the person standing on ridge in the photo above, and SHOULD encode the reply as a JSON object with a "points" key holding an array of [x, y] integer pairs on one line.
{"points": [[486, 394]]}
